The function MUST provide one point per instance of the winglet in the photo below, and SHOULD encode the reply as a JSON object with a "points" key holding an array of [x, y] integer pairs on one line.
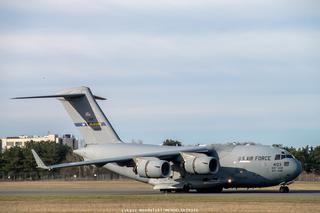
{"points": [[40, 163]]}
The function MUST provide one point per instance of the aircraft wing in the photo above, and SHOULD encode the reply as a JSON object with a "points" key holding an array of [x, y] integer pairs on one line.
{"points": [[163, 154]]}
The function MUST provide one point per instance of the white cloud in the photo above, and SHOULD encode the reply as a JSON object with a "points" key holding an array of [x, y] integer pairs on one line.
{"points": [[214, 44], [83, 56], [240, 106], [245, 8]]}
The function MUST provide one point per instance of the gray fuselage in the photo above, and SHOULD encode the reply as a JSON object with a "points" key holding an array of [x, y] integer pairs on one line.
{"points": [[240, 165]]}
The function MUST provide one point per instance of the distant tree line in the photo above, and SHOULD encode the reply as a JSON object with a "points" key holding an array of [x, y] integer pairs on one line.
{"points": [[170, 142], [18, 162]]}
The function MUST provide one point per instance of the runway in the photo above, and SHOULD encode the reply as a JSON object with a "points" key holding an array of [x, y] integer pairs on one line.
{"points": [[143, 191], [131, 196]]}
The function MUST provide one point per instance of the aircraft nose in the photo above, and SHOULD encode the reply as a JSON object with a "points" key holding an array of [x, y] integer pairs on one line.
{"points": [[298, 168]]}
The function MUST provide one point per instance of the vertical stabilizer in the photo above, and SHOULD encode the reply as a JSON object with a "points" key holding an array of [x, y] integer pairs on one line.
{"points": [[88, 116]]}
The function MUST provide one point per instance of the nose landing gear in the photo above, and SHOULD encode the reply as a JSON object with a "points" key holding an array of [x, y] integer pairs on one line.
{"points": [[284, 189]]}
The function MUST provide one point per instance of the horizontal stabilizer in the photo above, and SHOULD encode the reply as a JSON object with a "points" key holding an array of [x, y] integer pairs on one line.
{"points": [[61, 96]]}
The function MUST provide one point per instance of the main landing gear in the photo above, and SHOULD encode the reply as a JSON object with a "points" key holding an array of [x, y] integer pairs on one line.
{"points": [[284, 189], [217, 189], [185, 189]]}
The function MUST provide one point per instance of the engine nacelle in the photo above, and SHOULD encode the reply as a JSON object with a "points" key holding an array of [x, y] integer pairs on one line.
{"points": [[198, 163], [151, 167]]}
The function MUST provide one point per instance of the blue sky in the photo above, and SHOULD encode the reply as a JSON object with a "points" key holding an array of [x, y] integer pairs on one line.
{"points": [[197, 71]]}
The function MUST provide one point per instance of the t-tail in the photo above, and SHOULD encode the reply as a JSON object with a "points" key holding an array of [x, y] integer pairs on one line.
{"points": [[86, 115]]}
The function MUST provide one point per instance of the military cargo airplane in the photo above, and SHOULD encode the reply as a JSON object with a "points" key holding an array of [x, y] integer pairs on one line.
{"points": [[205, 168]]}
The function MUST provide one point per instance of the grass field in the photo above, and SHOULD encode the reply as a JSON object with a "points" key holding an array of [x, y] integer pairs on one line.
{"points": [[149, 203]]}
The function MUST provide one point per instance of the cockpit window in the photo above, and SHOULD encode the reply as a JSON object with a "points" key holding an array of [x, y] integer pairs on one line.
{"points": [[282, 156]]}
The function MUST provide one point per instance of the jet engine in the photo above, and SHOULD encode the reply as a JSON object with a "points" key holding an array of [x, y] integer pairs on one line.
{"points": [[151, 167], [198, 163]]}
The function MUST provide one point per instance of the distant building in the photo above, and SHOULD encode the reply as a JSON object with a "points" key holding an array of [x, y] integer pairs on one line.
{"points": [[69, 140], [8, 142]]}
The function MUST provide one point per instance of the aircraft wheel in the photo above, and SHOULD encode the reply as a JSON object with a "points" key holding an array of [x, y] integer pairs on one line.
{"points": [[284, 189], [166, 190], [218, 189], [186, 188], [210, 190], [202, 191]]}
